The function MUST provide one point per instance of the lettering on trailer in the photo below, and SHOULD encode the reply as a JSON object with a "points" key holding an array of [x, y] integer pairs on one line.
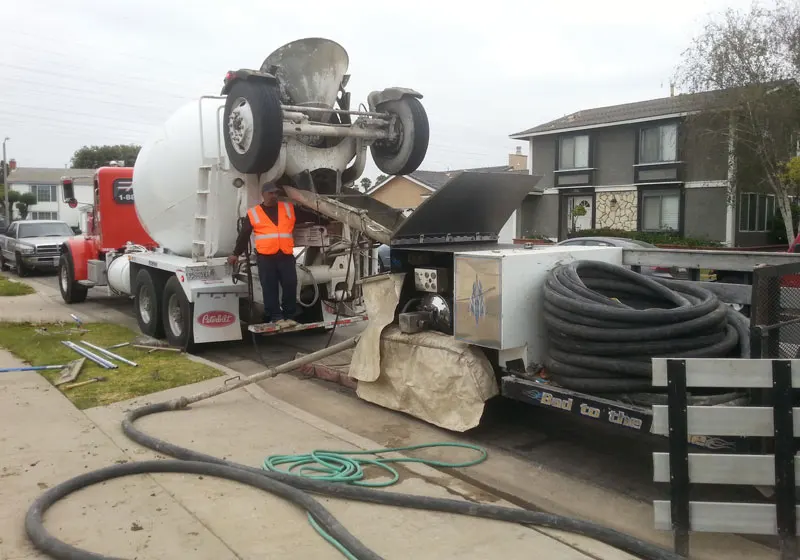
{"points": [[200, 273], [216, 319], [619, 418], [153, 263], [590, 411], [548, 399]]}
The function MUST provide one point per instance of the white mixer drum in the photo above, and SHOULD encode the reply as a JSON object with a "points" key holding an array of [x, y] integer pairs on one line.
{"points": [[167, 176]]}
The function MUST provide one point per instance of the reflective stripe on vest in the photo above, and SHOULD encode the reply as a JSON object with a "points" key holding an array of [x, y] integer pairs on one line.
{"points": [[271, 238]]}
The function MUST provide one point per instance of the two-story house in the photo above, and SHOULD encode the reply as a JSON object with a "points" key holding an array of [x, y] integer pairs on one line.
{"points": [[644, 166], [44, 183]]}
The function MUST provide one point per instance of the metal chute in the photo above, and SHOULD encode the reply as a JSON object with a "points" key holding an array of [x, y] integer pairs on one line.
{"points": [[310, 70]]}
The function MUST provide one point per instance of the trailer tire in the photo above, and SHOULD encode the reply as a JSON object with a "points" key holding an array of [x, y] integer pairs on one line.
{"points": [[147, 303], [71, 291], [253, 116], [405, 154], [177, 314]]}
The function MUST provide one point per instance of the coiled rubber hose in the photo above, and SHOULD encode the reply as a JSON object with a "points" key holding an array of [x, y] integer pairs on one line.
{"points": [[605, 323], [296, 489]]}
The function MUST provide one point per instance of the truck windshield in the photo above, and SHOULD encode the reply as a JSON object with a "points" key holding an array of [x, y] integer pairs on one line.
{"points": [[48, 229]]}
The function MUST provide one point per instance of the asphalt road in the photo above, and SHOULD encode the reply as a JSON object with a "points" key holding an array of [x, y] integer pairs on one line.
{"points": [[599, 455]]}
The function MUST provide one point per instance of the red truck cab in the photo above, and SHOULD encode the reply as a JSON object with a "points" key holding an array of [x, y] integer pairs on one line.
{"points": [[113, 223]]}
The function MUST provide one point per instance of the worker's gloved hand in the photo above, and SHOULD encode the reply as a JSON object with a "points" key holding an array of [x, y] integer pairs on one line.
{"points": [[232, 259]]}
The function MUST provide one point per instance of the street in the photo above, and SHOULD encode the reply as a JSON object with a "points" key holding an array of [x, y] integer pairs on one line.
{"points": [[539, 458]]}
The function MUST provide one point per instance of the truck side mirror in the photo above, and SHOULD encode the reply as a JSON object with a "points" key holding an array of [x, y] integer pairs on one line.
{"points": [[68, 188]]}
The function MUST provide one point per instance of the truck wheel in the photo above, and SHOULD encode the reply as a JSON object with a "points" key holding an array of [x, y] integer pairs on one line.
{"points": [[22, 271], [177, 315], [147, 303], [3, 263], [71, 291], [404, 154], [253, 126]]}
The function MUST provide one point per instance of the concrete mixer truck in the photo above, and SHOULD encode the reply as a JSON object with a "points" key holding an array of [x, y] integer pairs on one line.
{"points": [[162, 230]]}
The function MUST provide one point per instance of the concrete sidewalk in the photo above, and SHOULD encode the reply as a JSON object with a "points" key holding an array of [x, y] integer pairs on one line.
{"points": [[45, 440]]}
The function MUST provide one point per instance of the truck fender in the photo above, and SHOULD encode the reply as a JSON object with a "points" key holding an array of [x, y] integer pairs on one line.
{"points": [[244, 74], [376, 98], [81, 250]]}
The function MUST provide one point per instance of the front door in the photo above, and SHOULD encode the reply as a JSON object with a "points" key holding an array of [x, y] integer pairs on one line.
{"points": [[579, 213]]}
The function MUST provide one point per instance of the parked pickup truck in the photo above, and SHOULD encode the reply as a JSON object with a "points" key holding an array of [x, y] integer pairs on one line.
{"points": [[28, 245]]}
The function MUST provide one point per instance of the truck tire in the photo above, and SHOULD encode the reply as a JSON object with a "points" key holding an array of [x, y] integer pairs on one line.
{"points": [[71, 291], [253, 126], [177, 316], [22, 272], [404, 154], [3, 263], [147, 303]]}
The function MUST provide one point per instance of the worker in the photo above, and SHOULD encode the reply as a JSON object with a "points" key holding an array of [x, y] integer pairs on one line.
{"points": [[272, 223]]}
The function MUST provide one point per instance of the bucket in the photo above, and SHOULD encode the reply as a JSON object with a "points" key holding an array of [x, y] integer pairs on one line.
{"points": [[310, 70]]}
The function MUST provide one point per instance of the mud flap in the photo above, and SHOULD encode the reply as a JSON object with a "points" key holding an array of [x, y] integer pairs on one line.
{"points": [[216, 317]]}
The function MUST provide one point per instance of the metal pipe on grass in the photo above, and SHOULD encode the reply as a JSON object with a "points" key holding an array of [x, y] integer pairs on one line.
{"points": [[183, 402], [110, 354], [102, 362]]}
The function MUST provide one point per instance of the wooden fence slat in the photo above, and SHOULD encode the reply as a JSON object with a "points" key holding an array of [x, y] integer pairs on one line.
{"points": [[725, 373], [734, 421], [723, 517], [708, 468]]}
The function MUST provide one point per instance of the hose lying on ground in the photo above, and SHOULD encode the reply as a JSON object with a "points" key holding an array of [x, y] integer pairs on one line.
{"points": [[605, 323], [295, 489]]}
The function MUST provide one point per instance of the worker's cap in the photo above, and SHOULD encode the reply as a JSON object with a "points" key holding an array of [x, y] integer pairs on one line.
{"points": [[269, 187]]}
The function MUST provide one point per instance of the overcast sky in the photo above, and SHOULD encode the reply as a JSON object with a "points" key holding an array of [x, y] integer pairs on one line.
{"points": [[83, 72]]}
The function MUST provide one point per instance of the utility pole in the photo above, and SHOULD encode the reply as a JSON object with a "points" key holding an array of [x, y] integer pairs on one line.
{"points": [[5, 181]]}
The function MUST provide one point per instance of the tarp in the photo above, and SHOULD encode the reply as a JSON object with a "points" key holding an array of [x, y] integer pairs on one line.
{"points": [[433, 377]]}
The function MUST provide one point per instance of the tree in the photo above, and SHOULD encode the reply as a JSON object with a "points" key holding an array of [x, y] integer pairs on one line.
{"points": [[366, 183], [23, 201], [750, 61], [92, 157]]}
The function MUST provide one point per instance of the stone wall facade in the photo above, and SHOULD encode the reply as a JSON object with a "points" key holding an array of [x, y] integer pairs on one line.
{"points": [[621, 215]]}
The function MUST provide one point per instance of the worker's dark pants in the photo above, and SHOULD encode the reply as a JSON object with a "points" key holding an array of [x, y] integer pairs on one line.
{"points": [[274, 270]]}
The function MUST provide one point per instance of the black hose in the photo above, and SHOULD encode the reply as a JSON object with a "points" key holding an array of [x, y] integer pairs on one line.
{"points": [[294, 489], [605, 323]]}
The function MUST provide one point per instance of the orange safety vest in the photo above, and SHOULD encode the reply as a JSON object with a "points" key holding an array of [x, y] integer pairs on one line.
{"points": [[271, 238]]}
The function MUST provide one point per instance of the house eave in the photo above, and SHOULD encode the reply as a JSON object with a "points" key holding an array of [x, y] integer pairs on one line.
{"points": [[528, 135]]}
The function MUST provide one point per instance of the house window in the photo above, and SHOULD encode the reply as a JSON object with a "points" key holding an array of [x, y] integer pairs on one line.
{"points": [[44, 215], [45, 193], [573, 152], [658, 144], [661, 210], [755, 211]]}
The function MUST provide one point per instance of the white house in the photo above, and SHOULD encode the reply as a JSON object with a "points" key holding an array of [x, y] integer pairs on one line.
{"points": [[45, 183]]}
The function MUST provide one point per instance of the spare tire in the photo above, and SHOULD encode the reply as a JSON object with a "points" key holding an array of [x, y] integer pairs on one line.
{"points": [[253, 126]]}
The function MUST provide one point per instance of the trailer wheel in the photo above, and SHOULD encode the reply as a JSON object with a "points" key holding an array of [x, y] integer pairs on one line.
{"points": [[404, 154], [177, 314], [71, 291], [253, 126], [147, 303]]}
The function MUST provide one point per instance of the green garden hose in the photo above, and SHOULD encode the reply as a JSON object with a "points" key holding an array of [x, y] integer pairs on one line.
{"points": [[346, 467]]}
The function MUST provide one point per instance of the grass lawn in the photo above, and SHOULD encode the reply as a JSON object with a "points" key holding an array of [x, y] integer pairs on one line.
{"points": [[9, 287], [158, 371]]}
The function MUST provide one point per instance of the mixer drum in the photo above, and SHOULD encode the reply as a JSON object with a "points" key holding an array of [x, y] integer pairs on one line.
{"points": [[167, 175], [310, 71]]}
